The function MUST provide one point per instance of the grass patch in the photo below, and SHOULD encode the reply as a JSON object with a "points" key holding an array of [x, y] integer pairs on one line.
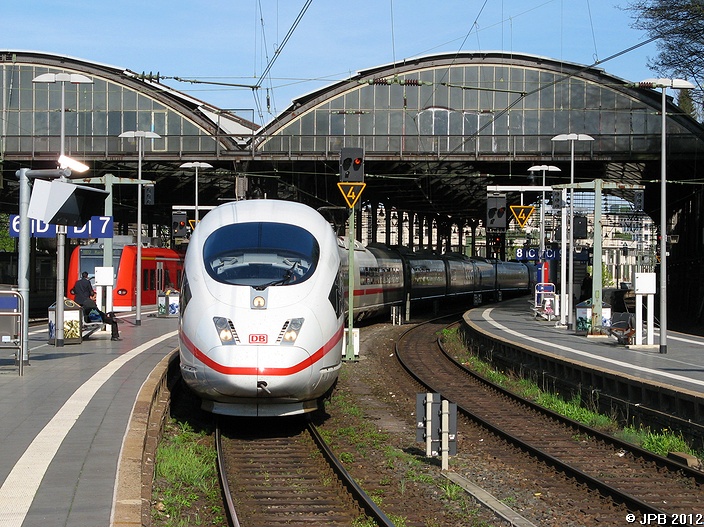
{"points": [[186, 490], [661, 442]]}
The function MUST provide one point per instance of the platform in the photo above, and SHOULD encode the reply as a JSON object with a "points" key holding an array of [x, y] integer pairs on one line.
{"points": [[64, 420], [682, 367]]}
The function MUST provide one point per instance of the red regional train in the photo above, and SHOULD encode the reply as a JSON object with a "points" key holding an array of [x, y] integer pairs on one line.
{"points": [[161, 270]]}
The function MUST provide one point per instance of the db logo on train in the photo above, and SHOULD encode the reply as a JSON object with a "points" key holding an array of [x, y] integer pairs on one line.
{"points": [[258, 339]]}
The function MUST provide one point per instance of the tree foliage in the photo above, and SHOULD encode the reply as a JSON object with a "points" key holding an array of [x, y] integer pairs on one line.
{"points": [[7, 243], [687, 104], [679, 27]]}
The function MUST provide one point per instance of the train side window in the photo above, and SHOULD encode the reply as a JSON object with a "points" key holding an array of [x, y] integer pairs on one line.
{"points": [[185, 294], [336, 296]]}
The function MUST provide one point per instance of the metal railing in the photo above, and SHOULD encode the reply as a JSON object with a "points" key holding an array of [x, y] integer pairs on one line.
{"points": [[11, 323], [606, 146]]}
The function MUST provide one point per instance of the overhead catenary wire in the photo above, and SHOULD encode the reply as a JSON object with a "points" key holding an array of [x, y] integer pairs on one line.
{"points": [[280, 48]]}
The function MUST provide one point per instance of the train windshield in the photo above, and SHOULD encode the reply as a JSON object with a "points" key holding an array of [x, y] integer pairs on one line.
{"points": [[92, 257], [261, 254]]}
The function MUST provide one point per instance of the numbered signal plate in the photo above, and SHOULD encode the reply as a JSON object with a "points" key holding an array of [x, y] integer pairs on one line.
{"points": [[351, 192], [522, 213]]}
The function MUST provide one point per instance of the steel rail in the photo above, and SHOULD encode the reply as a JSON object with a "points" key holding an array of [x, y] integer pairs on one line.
{"points": [[579, 475]]}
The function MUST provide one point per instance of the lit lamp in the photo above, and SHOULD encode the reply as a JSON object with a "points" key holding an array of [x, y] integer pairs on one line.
{"points": [[196, 165], [570, 286], [140, 136], [678, 84], [64, 162]]}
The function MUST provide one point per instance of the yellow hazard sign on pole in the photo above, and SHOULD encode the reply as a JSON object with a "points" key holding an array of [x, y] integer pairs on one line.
{"points": [[351, 192], [522, 213]]}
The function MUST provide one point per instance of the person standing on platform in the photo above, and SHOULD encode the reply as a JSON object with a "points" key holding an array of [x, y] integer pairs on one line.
{"points": [[83, 289], [586, 292]]}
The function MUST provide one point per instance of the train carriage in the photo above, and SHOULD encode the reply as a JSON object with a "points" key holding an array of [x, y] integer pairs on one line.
{"points": [[379, 281]]}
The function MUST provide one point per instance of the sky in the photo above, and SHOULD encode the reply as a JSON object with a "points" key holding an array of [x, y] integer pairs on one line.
{"points": [[305, 45]]}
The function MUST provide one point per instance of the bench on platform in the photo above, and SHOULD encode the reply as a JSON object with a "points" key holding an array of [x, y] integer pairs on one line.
{"points": [[88, 326], [623, 327]]}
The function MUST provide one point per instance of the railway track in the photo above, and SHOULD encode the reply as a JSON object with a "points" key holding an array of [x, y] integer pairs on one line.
{"points": [[647, 485], [283, 473]]}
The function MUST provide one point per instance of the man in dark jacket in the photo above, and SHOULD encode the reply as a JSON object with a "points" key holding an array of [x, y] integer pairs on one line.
{"points": [[93, 314], [83, 289]]}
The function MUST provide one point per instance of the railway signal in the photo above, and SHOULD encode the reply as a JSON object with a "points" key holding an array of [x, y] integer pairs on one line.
{"points": [[351, 185], [638, 200], [496, 212], [149, 191], [179, 222], [352, 165]]}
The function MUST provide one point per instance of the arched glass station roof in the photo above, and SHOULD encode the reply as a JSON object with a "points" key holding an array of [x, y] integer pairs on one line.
{"points": [[436, 131], [116, 100], [477, 105]]}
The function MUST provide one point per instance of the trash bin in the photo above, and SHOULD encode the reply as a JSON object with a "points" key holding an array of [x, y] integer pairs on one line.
{"points": [[583, 324], [72, 322], [167, 304]]}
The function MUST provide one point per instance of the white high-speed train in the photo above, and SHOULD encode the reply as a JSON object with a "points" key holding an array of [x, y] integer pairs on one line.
{"points": [[263, 302], [261, 321]]}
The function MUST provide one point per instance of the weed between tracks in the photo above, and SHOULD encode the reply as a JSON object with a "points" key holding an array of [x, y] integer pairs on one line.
{"points": [[660, 443], [186, 491]]}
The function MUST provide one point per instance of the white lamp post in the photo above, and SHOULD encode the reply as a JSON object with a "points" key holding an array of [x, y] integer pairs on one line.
{"points": [[64, 161], [678, 84], [196, 165], [140, 136], [570, 286]]}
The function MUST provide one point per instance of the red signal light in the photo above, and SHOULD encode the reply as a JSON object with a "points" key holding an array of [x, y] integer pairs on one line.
{"points": [[357, 162]]}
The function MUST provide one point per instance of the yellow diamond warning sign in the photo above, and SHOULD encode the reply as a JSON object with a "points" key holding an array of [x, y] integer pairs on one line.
{"points": [[522, 213], [351, 192]]}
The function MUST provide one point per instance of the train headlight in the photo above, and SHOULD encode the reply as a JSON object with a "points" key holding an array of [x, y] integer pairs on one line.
{"points": [[225, 330], [258, 302], [291, 330]]}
